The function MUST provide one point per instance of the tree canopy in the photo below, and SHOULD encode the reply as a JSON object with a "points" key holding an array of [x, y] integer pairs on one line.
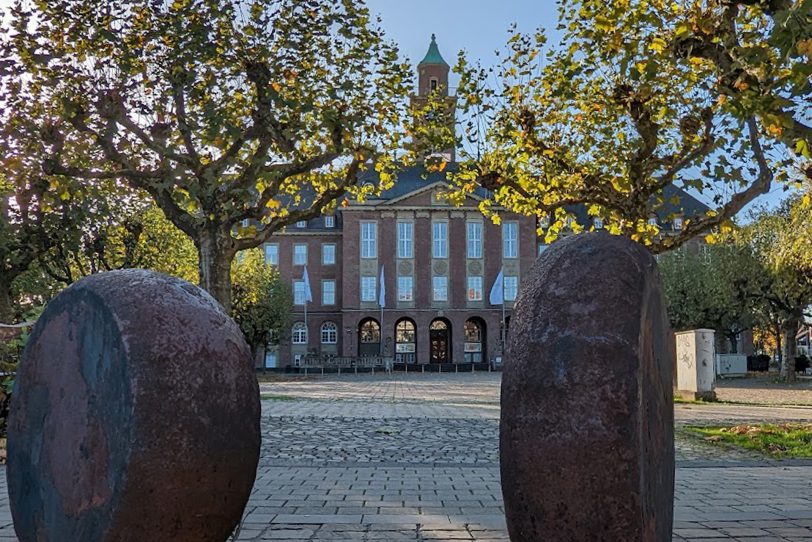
{"points": [[262, 303], [237, 117], [638, 97]]}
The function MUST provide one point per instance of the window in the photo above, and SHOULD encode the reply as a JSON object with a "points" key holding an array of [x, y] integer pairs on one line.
{"points": [[405, 240], [329, 333], [405, 288], [272, 254], [369, 240], [439, 288], [299, 333], [298, 292], [368, 288], [270, 359], [474, 288], [329, 221], [433, 84], [297, 360], [511, 286], [328, 254], [653, 221], [370, 332], [474, 239], [598, 223], [510, 240], [439, 236], [678, 223], [328, 292], [301, 224], [299, 254], [542, 248]]}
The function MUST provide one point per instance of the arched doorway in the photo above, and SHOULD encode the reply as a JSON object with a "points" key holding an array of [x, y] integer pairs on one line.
{"points": [[475, 338], [440, 340], [405, 341], [369, 338]]}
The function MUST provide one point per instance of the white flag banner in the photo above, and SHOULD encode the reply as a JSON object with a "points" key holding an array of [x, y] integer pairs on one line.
{"points": [[307, 291], [382, 291], [497, 296]]}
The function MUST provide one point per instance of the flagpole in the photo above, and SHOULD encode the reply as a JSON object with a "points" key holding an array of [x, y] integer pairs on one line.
{"points": [[504, 334]]}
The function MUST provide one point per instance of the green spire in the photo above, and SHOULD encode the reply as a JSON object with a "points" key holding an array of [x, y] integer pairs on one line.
{"points": [[433, 55]]}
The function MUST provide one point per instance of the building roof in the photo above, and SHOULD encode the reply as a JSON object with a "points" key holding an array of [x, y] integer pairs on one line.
{"points": [[433, 55], [411, 179]]}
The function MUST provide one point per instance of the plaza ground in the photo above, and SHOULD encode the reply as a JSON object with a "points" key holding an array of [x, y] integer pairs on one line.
{"points": [[415, 457]]}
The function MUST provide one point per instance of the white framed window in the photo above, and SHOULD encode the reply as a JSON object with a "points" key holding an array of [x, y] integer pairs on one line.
{"points": [[369, 240], [510, 239], [272, 254], [301, 224], [475, 288], [369, 287], [328, 254], [328, 292], [439, 239], [405, 288], [297, 360], [439, 287], [330, 221], [329, 333], [511, 285], [598, 223], [300, 254], [298, 292], [474, 234], [299, 333], [405, 240], [271, 359], [678, 223]]}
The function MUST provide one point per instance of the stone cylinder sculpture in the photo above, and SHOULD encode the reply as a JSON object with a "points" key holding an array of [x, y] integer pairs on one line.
{"points": [[586, 434], [135, 416]]}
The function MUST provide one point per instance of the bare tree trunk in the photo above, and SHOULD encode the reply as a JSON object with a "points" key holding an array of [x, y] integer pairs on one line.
{"points": [[215, 252], [788, 331]]}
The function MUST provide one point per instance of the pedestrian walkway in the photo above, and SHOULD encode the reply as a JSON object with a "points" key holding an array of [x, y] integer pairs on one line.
{"points": [[416, 458]]}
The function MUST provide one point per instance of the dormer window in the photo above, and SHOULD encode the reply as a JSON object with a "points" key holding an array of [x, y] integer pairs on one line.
{"points": [[329, 221], [301, 223], [677, 223]]}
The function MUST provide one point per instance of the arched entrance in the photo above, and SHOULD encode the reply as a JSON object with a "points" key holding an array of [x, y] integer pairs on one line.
{"points": [[475, 338], [440, 340], [369, 338], [405, 341]]}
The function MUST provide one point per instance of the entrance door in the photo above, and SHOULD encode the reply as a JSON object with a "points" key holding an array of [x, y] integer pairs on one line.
{"points": [[369, 338], [440, 338]]}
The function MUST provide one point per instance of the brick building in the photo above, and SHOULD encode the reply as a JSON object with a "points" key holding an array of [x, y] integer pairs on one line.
{"points": [[438, 263]]}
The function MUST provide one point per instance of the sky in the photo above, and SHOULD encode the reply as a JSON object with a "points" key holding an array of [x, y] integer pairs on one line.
{"points": [[477, 26]]}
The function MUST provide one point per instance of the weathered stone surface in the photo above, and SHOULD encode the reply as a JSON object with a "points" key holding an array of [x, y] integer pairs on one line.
{"points": [[586, 435], [135, 416]]}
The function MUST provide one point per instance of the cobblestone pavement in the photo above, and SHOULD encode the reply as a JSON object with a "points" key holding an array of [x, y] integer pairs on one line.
{"points": [[765, 390], [416, 458]]}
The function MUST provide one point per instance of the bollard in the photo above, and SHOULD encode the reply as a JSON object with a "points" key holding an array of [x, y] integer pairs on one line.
{"points": [[586, 431], [135, 416]]}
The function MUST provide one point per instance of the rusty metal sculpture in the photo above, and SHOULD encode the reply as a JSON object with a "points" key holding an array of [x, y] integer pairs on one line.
{"points": [[587, 439], [135, 416]]}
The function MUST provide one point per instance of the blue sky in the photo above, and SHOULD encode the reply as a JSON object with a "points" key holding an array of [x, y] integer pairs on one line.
{"points": [[477, 26]]}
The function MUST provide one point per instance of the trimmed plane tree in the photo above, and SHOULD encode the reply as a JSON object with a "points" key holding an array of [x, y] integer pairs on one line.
{"points": [[637, 98], [237, 117]]}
